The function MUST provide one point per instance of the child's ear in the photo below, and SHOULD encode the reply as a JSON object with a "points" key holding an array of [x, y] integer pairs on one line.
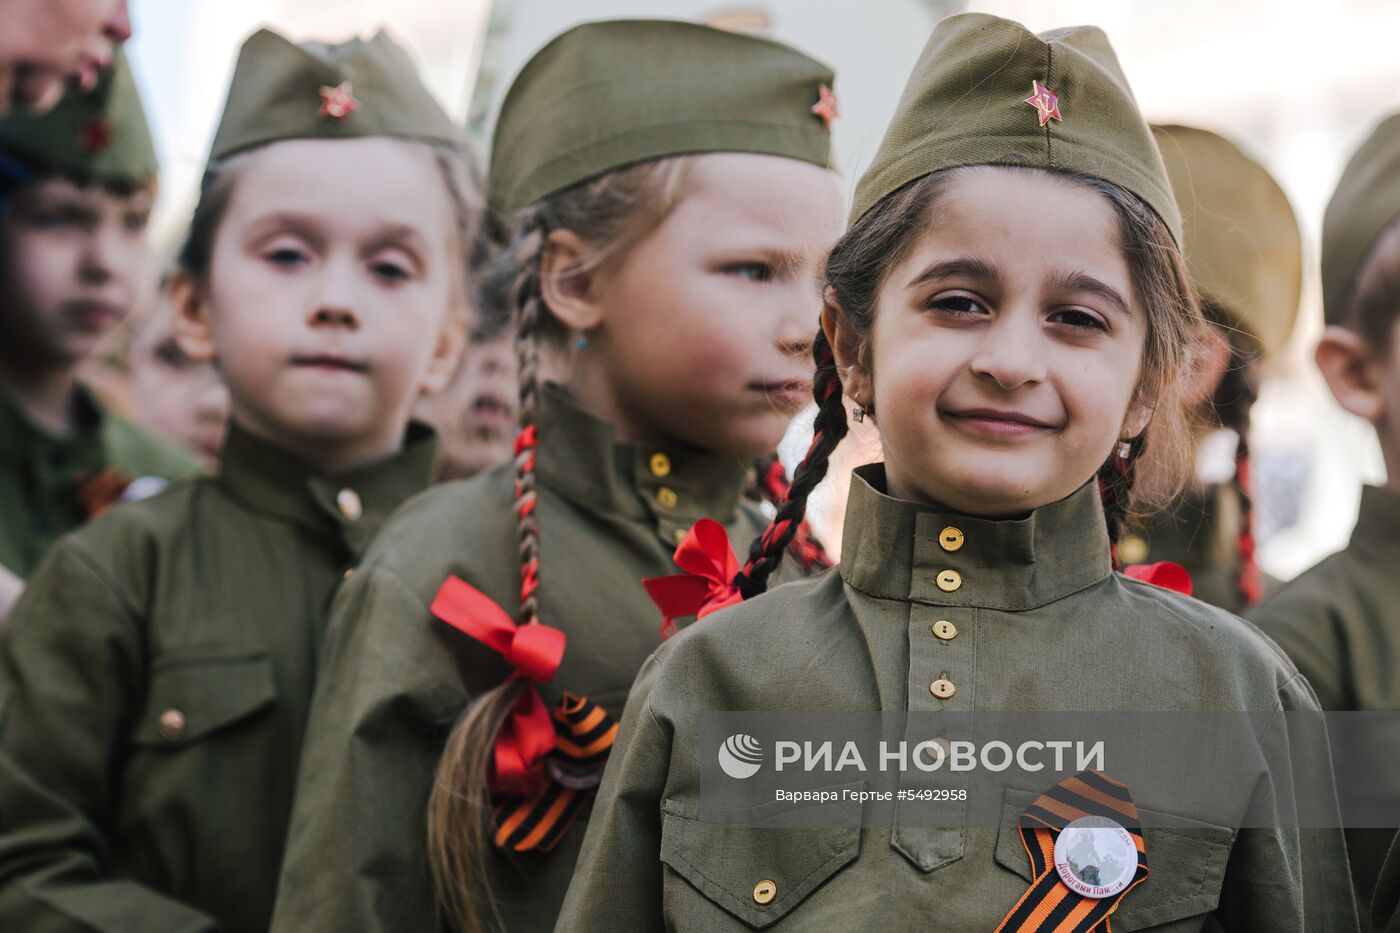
{"points": [[191, 312], [847, 345], [1350, 369], [566, 284], [447, 354], [1210, 358]]}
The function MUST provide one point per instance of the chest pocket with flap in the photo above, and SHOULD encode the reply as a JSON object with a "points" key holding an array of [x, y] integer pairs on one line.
{"points": [[193, 696], [760, 873], [1186, 866]]}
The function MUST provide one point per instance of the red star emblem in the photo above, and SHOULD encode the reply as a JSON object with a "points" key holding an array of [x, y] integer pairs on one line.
{"points": [[338, 102], [96, 136], [826, 107], [1046, 103]]}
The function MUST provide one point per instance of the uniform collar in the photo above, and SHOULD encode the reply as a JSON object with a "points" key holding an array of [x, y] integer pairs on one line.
{"points": [[670, 486], [21, 440], [895, 549], [349, 505], [1378, 525]]}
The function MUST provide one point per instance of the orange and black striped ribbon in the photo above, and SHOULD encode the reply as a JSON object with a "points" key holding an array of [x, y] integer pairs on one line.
{"points": [[584, 734], [1049, 906]]}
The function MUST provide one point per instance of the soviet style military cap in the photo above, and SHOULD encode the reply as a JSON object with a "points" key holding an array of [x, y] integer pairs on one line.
{"points": [[314, 90], [606, 95], [101, 134], [987, 91], [1243, 246]]}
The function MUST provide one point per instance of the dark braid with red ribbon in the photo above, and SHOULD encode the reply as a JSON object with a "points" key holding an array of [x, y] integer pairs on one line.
{"points": [[1233, 401], [827, 431], [774, 486]]}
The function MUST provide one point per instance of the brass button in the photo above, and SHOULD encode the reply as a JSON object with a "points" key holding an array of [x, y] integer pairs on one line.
{"points": [[666, 497], [660, 465], [764, 892], [949, 580], [679, 535], [945, 630], [348, 501], [942, 688], [951, 538], [172, 724], [1132, 550]]}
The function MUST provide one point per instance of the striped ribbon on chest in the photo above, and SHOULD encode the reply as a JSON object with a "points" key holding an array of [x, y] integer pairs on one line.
{"points": [[1049, 905], [584, 734]]}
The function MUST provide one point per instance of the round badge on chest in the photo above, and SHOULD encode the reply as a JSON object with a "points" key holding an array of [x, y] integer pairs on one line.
{"points": [[1096, 857]]}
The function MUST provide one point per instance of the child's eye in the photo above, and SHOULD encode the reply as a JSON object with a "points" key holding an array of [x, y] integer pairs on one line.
{"points": [[286, 257], [391, 271], [136, 222], [958, 305], [753, 271], [1079, 319], [57, 219]]}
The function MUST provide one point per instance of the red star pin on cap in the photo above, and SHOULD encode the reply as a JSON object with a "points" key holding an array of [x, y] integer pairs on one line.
{"points": [[338, 102], [826, 107], [1046, 103], [96, 136]]}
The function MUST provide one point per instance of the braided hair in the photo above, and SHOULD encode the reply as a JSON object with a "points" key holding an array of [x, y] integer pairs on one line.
{"points": [[611, 213], [1231, 404], [883, 237]]}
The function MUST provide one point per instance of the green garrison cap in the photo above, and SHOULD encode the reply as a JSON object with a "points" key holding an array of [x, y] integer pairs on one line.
{"points": [[610, 94], [314, 90], [989, 91], [1365, 203], [1242, 245], [101, 134]]}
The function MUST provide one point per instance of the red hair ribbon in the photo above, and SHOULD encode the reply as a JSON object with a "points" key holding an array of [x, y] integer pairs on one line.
{"points": [[1164, 573], [534, 651], [708, 560]]}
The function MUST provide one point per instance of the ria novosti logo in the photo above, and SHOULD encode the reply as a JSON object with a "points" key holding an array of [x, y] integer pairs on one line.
{"points": [[740, 756]]}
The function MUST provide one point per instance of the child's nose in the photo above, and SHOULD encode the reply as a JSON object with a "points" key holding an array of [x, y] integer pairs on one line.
{"points": [[1012, 351]]}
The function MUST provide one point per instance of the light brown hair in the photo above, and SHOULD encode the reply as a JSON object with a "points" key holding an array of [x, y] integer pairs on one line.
{"points": [[611, 214]]}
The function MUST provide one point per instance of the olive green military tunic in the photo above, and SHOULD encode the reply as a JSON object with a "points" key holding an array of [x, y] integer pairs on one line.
{"points": [[395, 679], [1201, 533], [40, 474], [1041, 624], [1340, 623], [154, 684]]}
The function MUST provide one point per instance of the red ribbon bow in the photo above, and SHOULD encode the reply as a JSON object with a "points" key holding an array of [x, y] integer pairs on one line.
{"points": [[707, 584], [1164, 573], [534, 651]]}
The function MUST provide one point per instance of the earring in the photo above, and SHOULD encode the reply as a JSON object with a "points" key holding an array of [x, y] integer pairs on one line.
{"points": [[582, 343], [857, 413], [1125, 448]]}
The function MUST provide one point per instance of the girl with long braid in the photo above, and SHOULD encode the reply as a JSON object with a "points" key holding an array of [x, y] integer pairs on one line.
{"points": [[1011, 308], [669, 190], [1244, 252]]}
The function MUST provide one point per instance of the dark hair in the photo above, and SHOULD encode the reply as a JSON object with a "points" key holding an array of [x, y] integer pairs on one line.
{"points": [[878, 241], [19, 171], [1230, 407]]}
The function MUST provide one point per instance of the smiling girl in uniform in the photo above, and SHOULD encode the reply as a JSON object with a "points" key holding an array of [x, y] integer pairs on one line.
{"points": [[1010, 306]]}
